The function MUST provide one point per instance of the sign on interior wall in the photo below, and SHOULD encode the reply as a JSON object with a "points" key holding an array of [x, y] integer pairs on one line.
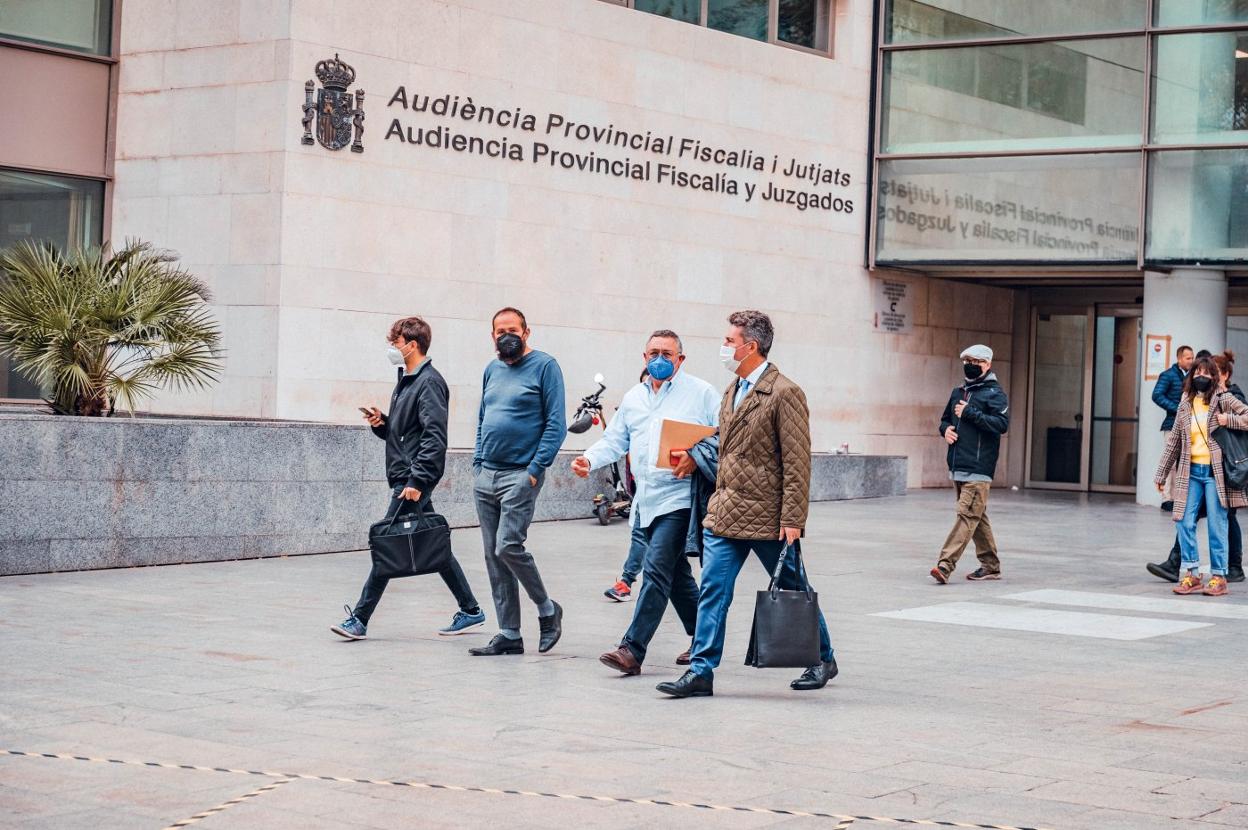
{"points": [[1156, 355], [894, 306]]}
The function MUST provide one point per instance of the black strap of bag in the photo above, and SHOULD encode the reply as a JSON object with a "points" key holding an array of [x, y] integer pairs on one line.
{"points": [[799, 565]]}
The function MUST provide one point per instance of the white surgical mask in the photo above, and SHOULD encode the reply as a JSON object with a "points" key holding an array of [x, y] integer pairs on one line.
{"points": [[396, 356], [727, 356]]}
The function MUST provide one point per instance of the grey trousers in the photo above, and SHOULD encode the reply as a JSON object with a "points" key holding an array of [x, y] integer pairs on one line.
{"points": [[505, 502]]}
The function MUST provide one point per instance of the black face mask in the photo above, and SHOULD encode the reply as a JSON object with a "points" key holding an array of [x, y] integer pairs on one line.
{"points": [[972, 370], [1202, 383], [509, 346]]}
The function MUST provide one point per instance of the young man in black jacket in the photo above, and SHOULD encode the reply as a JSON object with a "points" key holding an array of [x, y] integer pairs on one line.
{"points": [[415, 436], [977, 415]]}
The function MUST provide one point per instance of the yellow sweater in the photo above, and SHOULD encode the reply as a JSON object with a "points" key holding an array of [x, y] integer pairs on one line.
{"points": [[1200, 431]]}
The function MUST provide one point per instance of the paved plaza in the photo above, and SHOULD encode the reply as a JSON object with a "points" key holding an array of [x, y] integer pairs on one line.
{"points": [[1075, 694]]}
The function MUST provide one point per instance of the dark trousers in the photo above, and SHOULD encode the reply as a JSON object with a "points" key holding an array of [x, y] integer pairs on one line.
{"points": [[452, 574], [1234, 547], [667, 575], [505, 503], [636, 556]]}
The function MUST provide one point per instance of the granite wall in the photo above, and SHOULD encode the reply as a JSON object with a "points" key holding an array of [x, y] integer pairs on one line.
{"points": [[81, 493]]}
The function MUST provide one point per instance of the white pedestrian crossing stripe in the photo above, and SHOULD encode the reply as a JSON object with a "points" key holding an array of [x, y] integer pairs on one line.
{"points": [[1044, 621], [1219, 608]]}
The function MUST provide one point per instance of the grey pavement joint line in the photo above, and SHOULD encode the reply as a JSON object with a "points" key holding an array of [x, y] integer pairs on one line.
{"points": [[212, 811], [844, 820]]}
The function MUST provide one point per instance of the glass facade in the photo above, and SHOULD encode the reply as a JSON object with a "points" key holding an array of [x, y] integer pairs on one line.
{"points": [[1200, 88], [1198, 12], [1081, 208], [81, 25], [66, 212], [806, 24], [1198, 206], [690, 11], [747, 18], [1092, 115], [913, 21], [1084, 93]]}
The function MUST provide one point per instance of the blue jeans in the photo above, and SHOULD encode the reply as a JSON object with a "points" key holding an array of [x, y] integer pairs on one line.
{"points": [[636, 555], [1202, 487], [668, 576], [721, 563]]}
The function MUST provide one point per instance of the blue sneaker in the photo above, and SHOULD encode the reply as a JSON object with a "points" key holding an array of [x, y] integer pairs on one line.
{"points": [[463, 621], [351, 627]]}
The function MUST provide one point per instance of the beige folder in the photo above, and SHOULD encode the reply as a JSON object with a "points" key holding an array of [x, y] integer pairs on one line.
{"points": [[679, 435]]}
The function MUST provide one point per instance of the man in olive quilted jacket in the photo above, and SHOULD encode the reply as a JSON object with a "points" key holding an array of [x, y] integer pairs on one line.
{"points": [[761, 499]]}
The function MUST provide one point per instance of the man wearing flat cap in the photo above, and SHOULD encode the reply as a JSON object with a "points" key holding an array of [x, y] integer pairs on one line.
{"points": [[977, 415]]}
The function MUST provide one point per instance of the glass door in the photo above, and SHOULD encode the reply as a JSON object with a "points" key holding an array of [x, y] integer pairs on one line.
{"points": [[1057, 442], [1115, 398]]}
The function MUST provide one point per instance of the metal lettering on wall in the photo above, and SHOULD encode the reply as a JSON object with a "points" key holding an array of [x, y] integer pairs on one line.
{"points": [[504, 131], [337, 114]]}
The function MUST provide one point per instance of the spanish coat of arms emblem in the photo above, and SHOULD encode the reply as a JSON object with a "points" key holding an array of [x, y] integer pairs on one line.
{"points": [[338, 115]]}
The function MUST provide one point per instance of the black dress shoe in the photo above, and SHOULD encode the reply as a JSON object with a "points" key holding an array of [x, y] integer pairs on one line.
{"points": [[551, 628], [1235, 575], [499, 645], [690, 684], [816, 677], [1162, 571]]}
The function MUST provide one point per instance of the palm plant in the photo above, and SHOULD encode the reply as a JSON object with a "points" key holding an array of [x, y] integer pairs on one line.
{"points": [[99, 331]]}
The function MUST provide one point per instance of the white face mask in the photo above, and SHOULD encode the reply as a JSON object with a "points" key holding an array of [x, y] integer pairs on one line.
{"points": [[727, 356], [395, 356]]}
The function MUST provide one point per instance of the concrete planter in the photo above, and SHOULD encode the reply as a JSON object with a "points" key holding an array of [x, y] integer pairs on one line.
{"points": [[80, 493]]}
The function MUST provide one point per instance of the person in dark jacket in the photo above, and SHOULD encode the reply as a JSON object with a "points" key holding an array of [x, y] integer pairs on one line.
{"points": [[975, 418], [1168, 394], [1169, 570], [415, 436]]}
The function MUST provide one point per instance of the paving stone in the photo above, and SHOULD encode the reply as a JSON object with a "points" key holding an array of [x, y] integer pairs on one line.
{"points": [[232, 664]]}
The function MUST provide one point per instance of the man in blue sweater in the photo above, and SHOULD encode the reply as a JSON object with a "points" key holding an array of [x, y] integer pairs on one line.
{"points": [[520, 428]]}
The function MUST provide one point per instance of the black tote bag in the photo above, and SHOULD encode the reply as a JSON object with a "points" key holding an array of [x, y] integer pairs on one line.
{"points": [[1234, 445], [418, 543], [786, 623]]}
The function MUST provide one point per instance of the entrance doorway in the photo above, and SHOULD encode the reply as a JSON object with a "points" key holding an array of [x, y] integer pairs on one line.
{"points": [[1085, 397]]}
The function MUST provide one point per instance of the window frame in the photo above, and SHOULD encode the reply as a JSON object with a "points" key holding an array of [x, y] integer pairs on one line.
{"points": [[99, 220], [1145, 149], [773, 26], [109, 56]]}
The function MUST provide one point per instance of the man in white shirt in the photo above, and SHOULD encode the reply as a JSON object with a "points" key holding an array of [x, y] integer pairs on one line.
{"points": [[662, 503]]}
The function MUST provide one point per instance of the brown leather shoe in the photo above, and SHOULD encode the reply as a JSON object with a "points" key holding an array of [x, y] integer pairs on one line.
{"points": [[684, 659], [622, 660]]}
